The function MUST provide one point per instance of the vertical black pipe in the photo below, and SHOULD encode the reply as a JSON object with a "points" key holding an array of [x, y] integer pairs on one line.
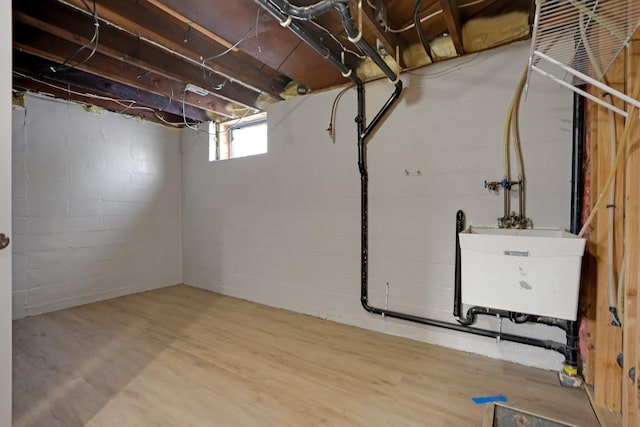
{"points": [[457, 290], [364, 197], [577, 176], [363, 132], [575, 223], [571, 350]]}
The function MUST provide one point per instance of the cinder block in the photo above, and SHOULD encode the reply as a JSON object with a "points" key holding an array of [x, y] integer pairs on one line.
{"points": [[19, 263], [19, 304], [86, 208], [127, 194], [97, 238], [46, 208], [124, 222], [29, 243], [49, 259], [91, 270], [19, 280], [49, 225], [125, 208], [47, 276]]}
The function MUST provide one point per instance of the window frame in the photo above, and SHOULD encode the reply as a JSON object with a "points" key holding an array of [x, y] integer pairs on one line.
{"points": [[221, 140]]}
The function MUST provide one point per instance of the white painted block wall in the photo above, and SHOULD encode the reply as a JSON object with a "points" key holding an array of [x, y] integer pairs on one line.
{"points": [[96, 206], [283, 228]]}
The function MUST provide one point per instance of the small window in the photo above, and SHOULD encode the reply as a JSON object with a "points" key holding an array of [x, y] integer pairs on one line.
{"points": [[238, 138]]}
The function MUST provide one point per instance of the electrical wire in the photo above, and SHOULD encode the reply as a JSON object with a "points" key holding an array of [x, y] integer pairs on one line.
{"points": [[266, 84], [342, 46], [432, 15], [229, 49], [206, 74], [94, 40], [460, 64], [631, 118], [128, 104], [332, 116], [247, 110], [184, 118], [257, 35], [613, 305]]}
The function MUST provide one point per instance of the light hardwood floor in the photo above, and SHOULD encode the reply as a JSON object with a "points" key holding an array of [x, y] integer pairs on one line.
{"points": [[181, 356]]}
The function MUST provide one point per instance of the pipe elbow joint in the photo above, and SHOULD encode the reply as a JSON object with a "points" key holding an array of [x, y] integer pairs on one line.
{"points": [[365, 304]]}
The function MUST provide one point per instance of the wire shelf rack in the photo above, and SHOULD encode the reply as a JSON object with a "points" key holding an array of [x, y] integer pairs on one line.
{"points": [[575, 42]]}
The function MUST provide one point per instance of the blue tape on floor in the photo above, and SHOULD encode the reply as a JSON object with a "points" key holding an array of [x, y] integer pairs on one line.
{"points": [[479, 400]]}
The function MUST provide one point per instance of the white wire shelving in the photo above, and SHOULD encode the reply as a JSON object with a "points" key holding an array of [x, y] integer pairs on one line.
{"points": [[575, 42]]}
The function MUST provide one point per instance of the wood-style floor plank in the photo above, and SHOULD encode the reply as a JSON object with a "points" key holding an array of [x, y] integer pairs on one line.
{"points": [[182, 356]]}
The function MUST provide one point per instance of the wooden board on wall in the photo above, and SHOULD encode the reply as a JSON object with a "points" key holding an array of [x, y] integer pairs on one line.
{"points": [[631, 345], [608, 339], [589, 285]]}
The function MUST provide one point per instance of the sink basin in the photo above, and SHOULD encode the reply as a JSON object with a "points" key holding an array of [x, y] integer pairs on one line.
{"points": [[533, 271]]}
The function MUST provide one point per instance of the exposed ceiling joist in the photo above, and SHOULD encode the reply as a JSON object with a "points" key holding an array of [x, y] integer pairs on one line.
{"points": [[23, 63], [44, 45], [152, 50], [235, 20], [151, 24], [451, 15], [390, 41], [71, 25], [73, 93]]}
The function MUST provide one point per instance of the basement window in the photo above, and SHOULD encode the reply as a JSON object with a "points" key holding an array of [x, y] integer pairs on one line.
{"points": [[238, 138]]}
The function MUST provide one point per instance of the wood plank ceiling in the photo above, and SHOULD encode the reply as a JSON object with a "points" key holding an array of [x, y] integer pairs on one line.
{"points": [[137, 57]]}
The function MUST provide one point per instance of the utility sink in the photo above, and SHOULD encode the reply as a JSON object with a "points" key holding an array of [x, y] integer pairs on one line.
{"points": [[532, 271]]}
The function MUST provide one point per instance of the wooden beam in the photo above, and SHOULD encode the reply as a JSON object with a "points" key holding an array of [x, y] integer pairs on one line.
{"points": [[33, 86], [146, 20], [273, 46], [72, 26], [390, 41], [451, 15], [24, 63], [41, 44], [589, 283], [631, 348], [607, 384]]}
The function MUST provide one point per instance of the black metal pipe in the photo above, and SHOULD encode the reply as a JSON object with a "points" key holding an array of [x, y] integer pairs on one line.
{"points": [[277, 8], [575, 223], [355, 35], [547, 344], [577, 175], [386, 107], [418, 24], [457, 289], [311, 41], [364, 240], [307, 12], [571, 349]]}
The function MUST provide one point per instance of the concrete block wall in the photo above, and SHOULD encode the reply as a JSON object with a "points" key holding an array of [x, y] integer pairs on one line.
{"points": [[96, 206], [283, 228]]}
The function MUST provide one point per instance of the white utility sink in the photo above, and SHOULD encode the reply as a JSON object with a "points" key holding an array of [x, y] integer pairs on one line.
{"points": [[533, 271]]}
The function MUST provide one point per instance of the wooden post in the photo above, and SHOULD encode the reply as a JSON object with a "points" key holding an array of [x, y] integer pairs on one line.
{"points": [[608, 340], [632, 254]]}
